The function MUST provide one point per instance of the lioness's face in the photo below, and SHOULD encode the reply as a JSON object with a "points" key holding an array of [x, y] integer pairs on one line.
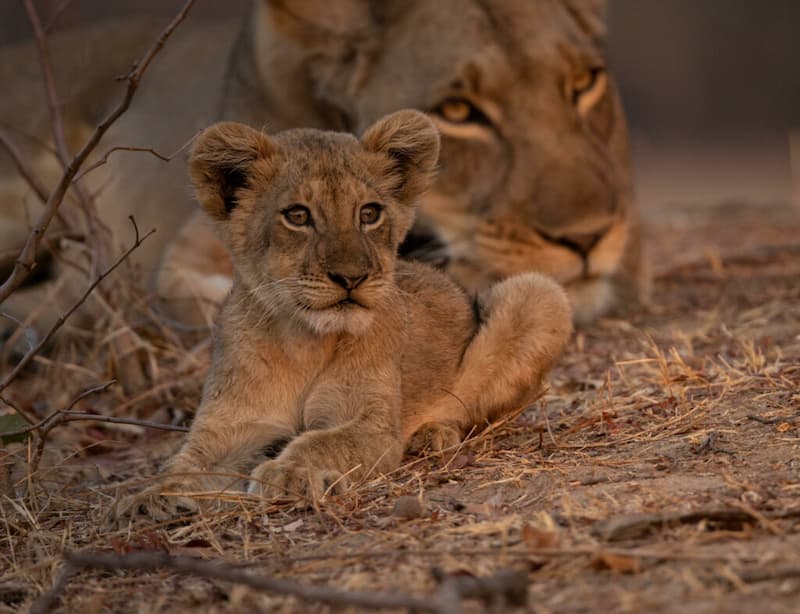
{"points": [[533, 169], [312, 219]]}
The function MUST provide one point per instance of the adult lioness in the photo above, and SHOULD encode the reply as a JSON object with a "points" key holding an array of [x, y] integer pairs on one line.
{"points": [[331, 354], [534, 170]]}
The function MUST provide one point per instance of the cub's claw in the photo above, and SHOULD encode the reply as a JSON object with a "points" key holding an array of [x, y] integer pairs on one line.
{"points": [[434, 437], [153, 504], [275, 478]]}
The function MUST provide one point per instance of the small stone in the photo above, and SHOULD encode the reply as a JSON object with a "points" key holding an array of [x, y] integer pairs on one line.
{"points": [[407, 507]]}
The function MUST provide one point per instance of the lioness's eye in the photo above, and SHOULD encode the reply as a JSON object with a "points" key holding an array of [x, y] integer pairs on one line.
{"points": [[370, 213], [460, 111], [297, 215], [586, 81]]}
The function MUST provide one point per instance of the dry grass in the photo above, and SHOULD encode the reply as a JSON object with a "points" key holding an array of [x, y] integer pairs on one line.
{"points": [[694, 407]]}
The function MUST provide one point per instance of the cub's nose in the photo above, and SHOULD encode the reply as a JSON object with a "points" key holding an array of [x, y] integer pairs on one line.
{"points": [[348, 282]]}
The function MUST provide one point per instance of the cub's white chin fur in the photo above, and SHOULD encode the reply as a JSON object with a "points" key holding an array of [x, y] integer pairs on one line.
{"points": [[353, 320]]}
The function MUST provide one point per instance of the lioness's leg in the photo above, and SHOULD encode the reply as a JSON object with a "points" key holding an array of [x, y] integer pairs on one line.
{"points": [[527, 322], [195, 274]]}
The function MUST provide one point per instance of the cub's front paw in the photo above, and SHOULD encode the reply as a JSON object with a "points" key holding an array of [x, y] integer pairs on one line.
{"points": [[434, 437], [275, 478]]}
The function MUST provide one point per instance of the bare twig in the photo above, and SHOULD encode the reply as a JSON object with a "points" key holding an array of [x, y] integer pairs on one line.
{"points": [[54, 419], [758, 574], [637, 525], [150, 150], [29, 355], [22, 168], [56, 13], [53, 104], [19, 410], [61, 416], [85, 199], [446, 600], [27, 258], [48, 599]]}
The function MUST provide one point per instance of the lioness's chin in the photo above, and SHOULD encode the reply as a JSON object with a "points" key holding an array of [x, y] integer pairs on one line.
{"points": [[589, 297], [353, 319]]}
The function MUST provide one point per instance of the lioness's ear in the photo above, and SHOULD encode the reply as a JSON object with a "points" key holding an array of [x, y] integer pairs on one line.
{"points": [[410, 142], [320, 23], [590, 16], [221, 163]]}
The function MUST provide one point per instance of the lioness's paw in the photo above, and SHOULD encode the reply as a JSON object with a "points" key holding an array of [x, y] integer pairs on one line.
{"points": [[434, 437], [275, 478]]}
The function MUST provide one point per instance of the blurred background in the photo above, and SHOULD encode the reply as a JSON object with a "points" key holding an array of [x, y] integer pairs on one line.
{"points": [[711, 90]]}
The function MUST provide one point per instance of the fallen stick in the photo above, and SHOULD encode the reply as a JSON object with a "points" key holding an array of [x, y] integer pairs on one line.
{"points": [[780, 572], [511, 586], [634, 526]]}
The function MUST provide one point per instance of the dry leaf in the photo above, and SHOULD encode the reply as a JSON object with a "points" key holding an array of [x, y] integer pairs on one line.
{"points": [[615, 562], [536, 538], [407, 507], [461, 461], [783, 427]]}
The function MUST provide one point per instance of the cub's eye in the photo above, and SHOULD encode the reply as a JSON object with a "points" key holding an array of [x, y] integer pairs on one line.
{"points": [[461, 111], [370, 213], [297, 215], [588, 86]]}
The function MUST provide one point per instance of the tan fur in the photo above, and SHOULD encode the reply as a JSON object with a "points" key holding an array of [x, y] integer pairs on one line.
{"points": [[349, 386], [541, 169]]}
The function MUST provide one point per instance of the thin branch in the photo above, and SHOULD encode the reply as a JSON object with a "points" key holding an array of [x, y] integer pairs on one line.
{"points": [[47, 600], [63, 416], [46, 64], [85, 199], [54, 419], [29, 355], [150, 150], [510, 586], [28, 418], [27, 258], [22, 168], [56, 13]]}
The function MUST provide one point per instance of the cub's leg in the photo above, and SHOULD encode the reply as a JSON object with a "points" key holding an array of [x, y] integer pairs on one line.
{"points": [[526, 323], [352, 447], [218, 453]]}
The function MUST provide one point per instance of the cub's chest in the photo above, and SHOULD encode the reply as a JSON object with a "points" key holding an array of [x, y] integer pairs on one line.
{"points": [[309, 378]]}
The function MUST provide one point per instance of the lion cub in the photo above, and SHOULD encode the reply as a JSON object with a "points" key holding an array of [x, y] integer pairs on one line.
{"points": [[332, 356]]}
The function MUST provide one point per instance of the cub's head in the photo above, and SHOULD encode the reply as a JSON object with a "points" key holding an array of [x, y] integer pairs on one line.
{"points": [[312, 219]]}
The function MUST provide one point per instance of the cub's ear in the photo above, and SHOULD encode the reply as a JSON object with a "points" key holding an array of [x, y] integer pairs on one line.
{"points": [[222, 162], [409, 141]]}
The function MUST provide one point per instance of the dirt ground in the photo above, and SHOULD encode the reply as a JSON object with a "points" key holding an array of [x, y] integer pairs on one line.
{"points": [[660, 471]]}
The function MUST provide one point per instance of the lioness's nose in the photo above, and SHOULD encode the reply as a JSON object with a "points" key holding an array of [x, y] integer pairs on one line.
{"points": [[348, 282], [581, 243]]}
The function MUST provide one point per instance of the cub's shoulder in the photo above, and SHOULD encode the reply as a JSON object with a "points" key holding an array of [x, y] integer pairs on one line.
{"points": [[429, 287]]}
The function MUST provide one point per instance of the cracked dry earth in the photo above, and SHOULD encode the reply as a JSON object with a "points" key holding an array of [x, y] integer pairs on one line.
{"points": [[660, 472]]}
